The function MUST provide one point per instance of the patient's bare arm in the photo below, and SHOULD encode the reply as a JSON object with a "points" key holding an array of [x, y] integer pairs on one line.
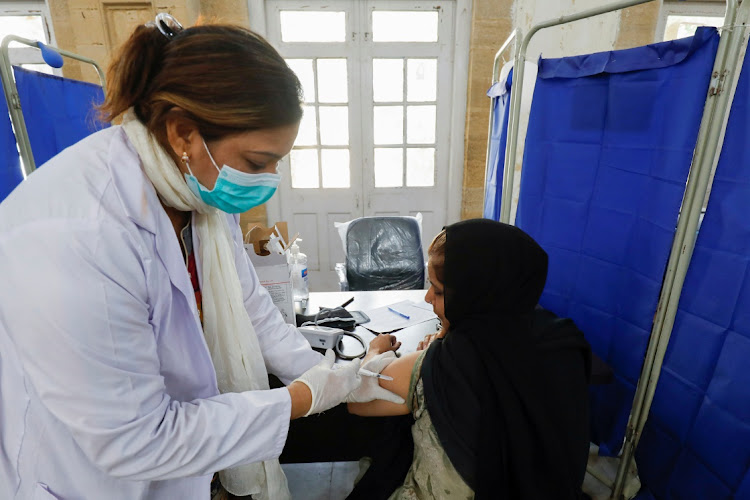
{"points": [[400, 369]]}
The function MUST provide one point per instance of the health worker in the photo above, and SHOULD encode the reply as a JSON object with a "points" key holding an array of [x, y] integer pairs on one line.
{"points": [[135, 338]]}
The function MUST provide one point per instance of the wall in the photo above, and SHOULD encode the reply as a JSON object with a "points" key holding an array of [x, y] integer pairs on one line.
{"points": [[492, 23], [95, 28]]}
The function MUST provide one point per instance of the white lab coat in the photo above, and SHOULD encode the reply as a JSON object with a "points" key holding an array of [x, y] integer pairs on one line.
{"points": [[107, 389]]}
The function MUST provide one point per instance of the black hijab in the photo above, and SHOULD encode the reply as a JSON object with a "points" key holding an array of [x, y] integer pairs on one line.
{"points": [[507, 387]]}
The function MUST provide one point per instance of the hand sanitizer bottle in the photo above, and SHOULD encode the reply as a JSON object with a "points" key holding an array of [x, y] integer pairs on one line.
{"points": [[298, 263]]}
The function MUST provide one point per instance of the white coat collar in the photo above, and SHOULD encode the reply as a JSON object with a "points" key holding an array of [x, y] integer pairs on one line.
{"points": [[141, 205]]}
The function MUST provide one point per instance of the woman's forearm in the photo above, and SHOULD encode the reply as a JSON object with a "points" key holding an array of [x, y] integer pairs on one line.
{"points": [[301, 399]]}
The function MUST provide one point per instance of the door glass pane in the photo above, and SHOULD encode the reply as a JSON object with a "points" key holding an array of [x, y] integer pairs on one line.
{"points": [[307, 135], [420, 167], [304, 167], [303, 68], [388, 80], [24, 26], [420, 124], [334, 127], [403, 26], [421, 80], [335, 168], [388, 124], [389, 167], [302, 26], [332, 80]]}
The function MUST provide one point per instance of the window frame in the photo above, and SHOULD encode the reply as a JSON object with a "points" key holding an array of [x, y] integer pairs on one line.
{"points": [[683, 8], [327, 50], [29, 55], [406, 51], [257, 10]]}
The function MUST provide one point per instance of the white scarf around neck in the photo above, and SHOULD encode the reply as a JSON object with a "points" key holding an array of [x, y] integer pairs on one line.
{"points": [[227, 328]]}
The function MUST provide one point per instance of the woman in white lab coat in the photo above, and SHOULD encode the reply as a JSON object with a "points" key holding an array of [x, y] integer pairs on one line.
{"points": [[135, 338]]}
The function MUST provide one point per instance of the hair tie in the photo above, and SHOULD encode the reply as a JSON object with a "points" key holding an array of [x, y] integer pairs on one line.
{"points": [[166, 24]]}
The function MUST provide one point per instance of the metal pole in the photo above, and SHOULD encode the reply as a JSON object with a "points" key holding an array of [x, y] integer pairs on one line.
{"points": [[14, 107], [14, 102], [495, 77], [509, 163], [716, 113], [71, 55], [517, 89]]}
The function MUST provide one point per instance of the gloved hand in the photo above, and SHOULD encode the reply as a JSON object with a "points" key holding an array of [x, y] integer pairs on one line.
{"points": [[330, 386], [370, 388]]}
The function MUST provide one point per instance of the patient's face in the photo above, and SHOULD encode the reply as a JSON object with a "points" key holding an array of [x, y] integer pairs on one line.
{"points": [[435, 295]]}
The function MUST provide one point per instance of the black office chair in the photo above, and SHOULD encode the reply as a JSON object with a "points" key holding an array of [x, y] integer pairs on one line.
{"points": [[384, 253]]}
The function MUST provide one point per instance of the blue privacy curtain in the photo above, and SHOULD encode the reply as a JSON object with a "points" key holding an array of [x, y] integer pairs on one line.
{"points": [[696, 443], [58, 111], [500, 95], [608, 149], [10, 166]]}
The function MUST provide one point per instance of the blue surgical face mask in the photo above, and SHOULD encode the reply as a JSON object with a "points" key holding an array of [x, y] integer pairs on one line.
{"points": [[234, 192]]}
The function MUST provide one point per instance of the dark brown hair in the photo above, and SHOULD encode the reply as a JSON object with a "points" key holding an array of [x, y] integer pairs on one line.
{"points": [[436, 253], [225, 78]]}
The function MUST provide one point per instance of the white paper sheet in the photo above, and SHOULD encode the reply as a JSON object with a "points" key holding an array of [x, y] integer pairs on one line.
{"points": [[383, 320]]}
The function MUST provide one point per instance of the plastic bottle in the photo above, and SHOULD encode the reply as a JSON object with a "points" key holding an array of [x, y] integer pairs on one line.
{"points": [[298, 262]]}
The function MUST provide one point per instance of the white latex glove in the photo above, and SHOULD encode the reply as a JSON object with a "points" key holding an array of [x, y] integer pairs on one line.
{"points": [[330, 386], [370, 388]]}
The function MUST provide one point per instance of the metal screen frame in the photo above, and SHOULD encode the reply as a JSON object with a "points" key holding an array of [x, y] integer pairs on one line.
{"points": [[724, 78], [14, 102]]}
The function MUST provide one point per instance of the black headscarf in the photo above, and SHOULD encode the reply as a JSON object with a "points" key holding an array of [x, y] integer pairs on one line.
{"points": [[507, 387]]}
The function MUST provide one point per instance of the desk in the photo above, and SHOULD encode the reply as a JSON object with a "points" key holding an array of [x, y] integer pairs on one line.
{"points": [[364, 301]]}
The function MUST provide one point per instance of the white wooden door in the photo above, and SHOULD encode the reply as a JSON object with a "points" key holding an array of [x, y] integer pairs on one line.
{"points": [[322, 183], [375, 136], [408, 51]]}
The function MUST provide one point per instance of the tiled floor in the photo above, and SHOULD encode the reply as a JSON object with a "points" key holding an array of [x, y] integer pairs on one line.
{"points": [[605, 470], [321, 481], [334, 480]]}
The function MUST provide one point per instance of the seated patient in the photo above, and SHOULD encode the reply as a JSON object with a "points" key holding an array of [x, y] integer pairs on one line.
{"points": [[500, 406]]}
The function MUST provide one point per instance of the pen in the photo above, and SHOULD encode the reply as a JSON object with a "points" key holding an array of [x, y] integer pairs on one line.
{"points": [[368, 373], [347, 302], [399, 313]]}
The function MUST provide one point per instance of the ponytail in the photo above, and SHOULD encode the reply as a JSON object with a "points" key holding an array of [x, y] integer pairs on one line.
{"points": [[132, 69]]}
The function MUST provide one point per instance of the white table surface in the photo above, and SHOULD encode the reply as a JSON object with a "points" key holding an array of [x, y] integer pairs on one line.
{"points": [[363, 301]]}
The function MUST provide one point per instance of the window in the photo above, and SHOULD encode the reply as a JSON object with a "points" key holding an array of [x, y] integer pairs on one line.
{"points": [[323, 139], [405, 120], [27, 19], [369, 71], [681, 19]]}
